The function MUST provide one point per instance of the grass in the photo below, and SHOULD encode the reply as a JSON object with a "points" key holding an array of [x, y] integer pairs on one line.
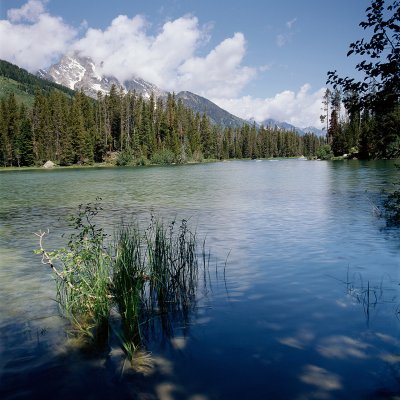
{"points": [[129, 281], [155, 277], [149, 276], [9, 86]]}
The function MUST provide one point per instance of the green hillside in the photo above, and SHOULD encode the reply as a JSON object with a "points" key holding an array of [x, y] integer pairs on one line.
{"points": [[8, 86], [24, 85]]}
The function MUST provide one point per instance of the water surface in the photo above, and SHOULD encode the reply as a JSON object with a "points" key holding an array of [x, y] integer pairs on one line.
{"points": [[308, 306]]}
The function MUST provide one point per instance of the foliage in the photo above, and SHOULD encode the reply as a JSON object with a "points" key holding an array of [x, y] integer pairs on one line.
{"points": [[84, 279], [79, 130], [27, 82], [141, 160], [155, 274], [125, 158], [147, 275], [9, 86], [325, 152], [163, 156], [381, 54], [392, 206], [372, 103]]}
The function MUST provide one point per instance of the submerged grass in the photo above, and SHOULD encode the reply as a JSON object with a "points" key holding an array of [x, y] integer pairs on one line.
{"points": [[149, 277], [129, 278], [154, 278]]}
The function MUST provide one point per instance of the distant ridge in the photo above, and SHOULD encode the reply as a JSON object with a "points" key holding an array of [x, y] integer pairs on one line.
{"points": [[215, 113], [80, 73], [29, 83], [272, 123]]}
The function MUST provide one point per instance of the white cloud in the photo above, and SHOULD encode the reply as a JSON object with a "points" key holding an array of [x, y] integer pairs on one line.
{"points": [[28, 12], [32, 38], [301, 109], [220, 73], [284, 38], [290, 23], [169, 58]]}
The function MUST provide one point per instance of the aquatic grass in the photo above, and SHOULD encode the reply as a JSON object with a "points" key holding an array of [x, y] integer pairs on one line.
{"points": [[148, 276], [173, 267], [82, 272], [155, 278], [129, 277], [84, 295]]}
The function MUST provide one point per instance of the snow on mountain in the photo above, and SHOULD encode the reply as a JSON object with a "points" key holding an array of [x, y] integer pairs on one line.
{"points": [[80, 73], [272, 123], [144, 87]]}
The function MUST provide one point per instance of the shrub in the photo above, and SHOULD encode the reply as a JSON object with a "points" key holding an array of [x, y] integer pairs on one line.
{"points": [[163, 157], [124, 158], [325, 152], [147, 275]]}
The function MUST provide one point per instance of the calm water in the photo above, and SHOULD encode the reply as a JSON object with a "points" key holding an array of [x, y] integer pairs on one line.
{"points": [[308, 308]]}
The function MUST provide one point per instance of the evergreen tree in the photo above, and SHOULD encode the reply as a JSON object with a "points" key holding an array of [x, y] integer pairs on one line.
{"points": [[81, 141], [23, 141], [3, 133], [41, 129], [378, 93]]}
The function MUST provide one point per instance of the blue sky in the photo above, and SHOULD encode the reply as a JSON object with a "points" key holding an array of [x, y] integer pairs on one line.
{"points": [[257, 59]]}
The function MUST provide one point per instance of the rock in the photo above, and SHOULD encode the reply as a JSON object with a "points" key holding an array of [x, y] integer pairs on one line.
{"points": [[48, 164]]}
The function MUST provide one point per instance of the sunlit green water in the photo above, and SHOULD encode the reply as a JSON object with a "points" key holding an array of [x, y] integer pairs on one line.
{"points": [[293, 318]]}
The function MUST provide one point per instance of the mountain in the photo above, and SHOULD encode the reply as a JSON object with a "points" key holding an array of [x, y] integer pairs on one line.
{"points": [[216, 114], [314, 130], [23, 84], [272, 123], [80, 73]]}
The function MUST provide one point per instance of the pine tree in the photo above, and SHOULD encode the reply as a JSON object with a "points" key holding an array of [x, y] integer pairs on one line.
{"points": [[114, 106], [81, 141], [23, 141], [12, 130], [378, 92], [3, 132]]}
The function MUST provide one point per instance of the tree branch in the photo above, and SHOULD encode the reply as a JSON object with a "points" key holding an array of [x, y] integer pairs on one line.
{"points": [[46, 259]]}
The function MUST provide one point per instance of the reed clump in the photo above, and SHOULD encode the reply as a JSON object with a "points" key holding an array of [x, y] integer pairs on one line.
{"points": [[149, 276]]}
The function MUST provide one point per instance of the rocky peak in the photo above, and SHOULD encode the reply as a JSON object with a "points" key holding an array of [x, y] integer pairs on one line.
{"points": [[80, 73]]}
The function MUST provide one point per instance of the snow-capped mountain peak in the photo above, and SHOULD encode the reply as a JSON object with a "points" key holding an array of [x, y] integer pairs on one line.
{"points": [[80, 73]]}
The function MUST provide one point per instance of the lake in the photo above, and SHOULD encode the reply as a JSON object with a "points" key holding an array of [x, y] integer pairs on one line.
{"points": [[303, 295]]}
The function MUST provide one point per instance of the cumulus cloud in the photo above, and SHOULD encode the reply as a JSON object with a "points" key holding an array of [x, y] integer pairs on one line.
{"points": [[168, 59], [171, 58], [301, 109], [32, 38], [220, 73], [28, 12], [126, 49]]}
